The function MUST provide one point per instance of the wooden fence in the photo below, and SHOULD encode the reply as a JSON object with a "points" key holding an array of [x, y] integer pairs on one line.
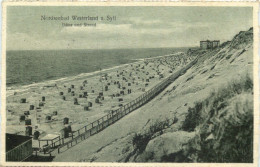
{"points": [[20, 152], [109, 119]]}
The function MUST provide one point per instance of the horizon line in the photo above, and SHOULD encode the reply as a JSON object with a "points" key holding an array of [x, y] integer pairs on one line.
{"points": [[99, 48]]}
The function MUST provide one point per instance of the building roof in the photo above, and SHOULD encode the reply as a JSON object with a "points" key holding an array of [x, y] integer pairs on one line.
{"points": [[49, 137], [13, 140], [210, 41]]}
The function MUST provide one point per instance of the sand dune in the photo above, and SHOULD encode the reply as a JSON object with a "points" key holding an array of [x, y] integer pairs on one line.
{"points": [[162, 119]]}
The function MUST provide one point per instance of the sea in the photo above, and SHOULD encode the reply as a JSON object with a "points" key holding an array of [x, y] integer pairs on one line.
{"points": [[24, 67]]}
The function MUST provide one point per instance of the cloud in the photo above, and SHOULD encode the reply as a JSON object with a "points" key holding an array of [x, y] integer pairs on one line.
{"points": [[134, 34], [100, 28], [118, 30], [18, 41], [134, 27], [142, 21], [23, 41]]}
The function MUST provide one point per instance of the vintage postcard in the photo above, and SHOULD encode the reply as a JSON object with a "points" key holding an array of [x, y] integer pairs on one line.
{"points": [[129, 84]]}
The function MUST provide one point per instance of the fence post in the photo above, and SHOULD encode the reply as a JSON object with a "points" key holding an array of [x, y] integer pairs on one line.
{"points": [[102, 122], [59, 140], [113, 116], [97, 126], [108, 120]]}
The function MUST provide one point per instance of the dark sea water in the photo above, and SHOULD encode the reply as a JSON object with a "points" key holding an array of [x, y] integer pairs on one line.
{"points": [[26, 67]]}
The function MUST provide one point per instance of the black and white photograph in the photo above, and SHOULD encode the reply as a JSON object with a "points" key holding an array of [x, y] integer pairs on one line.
{"points": [[130, 84]]}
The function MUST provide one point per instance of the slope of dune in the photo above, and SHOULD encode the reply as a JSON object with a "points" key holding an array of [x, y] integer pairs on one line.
{"points": [[156, 132]]}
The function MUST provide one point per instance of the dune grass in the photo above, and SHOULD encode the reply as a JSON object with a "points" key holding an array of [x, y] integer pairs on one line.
{"points": [[140, 140], [224, 124]]}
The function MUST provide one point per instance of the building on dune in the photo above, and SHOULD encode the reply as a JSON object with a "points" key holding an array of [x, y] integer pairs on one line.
{"points": [[209, 44]]}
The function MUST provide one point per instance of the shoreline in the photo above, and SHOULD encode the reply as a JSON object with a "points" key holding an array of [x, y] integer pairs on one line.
{"points": [[122, 83], [23, 88]]}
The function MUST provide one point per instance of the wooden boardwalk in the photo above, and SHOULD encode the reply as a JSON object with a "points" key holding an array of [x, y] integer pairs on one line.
{"points": [[91, 129]]}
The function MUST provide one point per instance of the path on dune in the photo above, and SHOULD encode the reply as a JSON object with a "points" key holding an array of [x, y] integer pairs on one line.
{"points": [[102, 123]]}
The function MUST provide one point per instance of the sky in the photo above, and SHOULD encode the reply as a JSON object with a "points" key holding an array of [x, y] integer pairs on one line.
{"points": [[134, 27]]}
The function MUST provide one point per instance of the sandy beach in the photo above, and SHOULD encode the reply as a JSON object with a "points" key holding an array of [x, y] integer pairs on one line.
{"points": [[72, 97]]}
